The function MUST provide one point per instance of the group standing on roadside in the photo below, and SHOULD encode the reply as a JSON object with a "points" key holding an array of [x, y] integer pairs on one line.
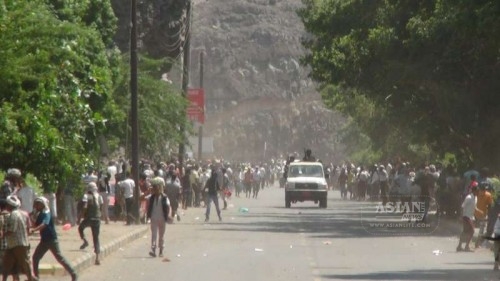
{"points": [[473, 196], [162, 191]]}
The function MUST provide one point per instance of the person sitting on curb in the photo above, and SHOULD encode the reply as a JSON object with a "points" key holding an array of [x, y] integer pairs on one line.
{"points": [[48, 238]]}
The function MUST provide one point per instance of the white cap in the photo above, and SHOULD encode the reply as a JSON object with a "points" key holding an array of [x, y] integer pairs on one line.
{"points": [[13, 201], [92, 187]]}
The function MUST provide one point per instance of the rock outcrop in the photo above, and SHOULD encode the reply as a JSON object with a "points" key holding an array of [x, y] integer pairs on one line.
{"points": [[257, 92]]}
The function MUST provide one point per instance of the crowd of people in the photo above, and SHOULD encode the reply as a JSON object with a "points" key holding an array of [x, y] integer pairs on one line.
{"points": [[109, 195], [473, 196], [166, 187], [22, 213]]}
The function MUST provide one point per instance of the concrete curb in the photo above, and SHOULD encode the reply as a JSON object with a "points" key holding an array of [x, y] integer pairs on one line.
{"points": [[86, 260]]}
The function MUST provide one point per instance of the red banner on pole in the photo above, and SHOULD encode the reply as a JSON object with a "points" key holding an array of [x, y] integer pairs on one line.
{"points": [[196, 108]]}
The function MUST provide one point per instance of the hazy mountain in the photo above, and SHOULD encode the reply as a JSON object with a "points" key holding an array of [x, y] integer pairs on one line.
{"points": [[257, 93]]}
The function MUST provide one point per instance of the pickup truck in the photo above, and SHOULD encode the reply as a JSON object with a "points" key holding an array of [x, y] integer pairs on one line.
{"points": [[306, 182]]}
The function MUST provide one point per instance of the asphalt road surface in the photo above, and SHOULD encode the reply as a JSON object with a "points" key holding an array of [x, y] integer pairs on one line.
{"points": [[270, 242]]}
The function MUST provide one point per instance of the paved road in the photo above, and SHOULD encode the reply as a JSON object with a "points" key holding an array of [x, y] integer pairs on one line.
{"points": [[271, 242]]}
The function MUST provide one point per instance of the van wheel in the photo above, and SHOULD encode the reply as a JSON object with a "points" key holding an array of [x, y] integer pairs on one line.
{"points": [[322, 203]]}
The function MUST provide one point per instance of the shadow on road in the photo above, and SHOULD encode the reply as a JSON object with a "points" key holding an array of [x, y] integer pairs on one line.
{"points": [[433, 274], [342, 220], [472, 263]]}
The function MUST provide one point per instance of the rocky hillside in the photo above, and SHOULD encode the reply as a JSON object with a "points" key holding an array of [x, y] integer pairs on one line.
{"points": [[257, 93], [253, 48]]}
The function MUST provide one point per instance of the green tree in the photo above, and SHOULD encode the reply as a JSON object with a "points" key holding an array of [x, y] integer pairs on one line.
{"points": [[65, 87], [53, 74], [95, 14], [161, 108], [429, 69]]}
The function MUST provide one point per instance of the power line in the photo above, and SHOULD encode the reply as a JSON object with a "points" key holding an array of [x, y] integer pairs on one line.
{"points": [[181, 28], [182, 39]]}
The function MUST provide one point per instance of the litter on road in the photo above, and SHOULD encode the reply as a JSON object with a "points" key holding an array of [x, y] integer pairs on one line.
{"points": [[259, 250]]}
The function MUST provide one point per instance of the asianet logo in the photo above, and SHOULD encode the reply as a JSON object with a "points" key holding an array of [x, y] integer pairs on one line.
{"points": [[409, 211]]}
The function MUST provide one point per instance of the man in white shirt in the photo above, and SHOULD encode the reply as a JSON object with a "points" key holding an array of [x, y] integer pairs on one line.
{"points": [[26, 195], [262, 172], [148, 171], [239, 178], [159, 212], [89, 177], [363, 178], [468, 210], [374, 185], [194, 178], [127, 187], [256, 182], [173, 191], [91, 213], [113, 171], [383, 178]]}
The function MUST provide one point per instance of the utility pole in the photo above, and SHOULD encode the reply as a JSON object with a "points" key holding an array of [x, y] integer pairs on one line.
{"points": [[185, 82], [134, 108], [200, 129]]}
